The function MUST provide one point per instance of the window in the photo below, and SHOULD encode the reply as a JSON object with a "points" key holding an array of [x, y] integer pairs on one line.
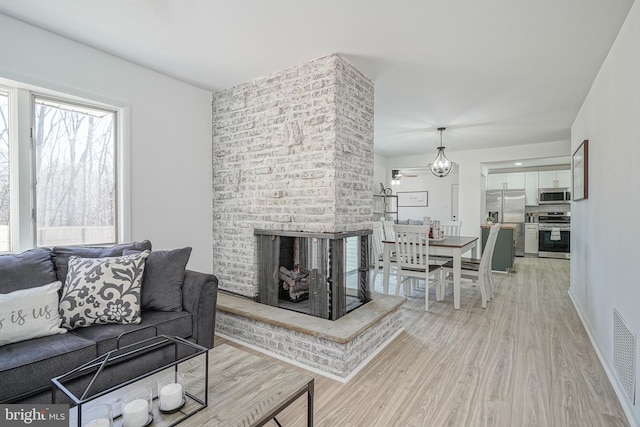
{"points": [[75, 199], [59, 170], [5, 242]]}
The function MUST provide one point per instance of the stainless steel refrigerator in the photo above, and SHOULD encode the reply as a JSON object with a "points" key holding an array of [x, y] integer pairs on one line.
{"points": [[507, 206]]}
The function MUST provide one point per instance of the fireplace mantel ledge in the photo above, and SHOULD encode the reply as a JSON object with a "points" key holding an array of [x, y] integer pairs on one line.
{"points": [[343, 330]]}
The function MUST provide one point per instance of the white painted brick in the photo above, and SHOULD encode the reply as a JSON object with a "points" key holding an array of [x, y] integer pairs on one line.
{"points": [[316, 352], [291, 151]]}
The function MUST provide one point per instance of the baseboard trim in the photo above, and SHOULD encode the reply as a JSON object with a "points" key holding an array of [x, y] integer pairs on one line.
{"points": [[613, 379], [309, 368]]}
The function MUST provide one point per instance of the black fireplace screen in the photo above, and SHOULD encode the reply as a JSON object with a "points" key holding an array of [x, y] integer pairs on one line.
{"points": [[321, 274]]}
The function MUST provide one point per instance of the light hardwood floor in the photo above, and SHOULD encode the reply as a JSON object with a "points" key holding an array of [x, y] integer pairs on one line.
{"points": [[524, 361]]}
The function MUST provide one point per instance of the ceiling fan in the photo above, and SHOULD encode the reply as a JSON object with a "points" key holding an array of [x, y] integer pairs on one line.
{"points": [[397, 174]]}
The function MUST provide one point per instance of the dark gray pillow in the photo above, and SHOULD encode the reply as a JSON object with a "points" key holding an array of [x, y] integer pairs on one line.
{"points": [[163, 279], [61, 254], [29, 269]]}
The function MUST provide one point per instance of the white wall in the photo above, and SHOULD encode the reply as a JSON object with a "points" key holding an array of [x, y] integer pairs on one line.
{"points": [[439, 195], [604, 227], [380, 173], [169, 130], [470, 179]]}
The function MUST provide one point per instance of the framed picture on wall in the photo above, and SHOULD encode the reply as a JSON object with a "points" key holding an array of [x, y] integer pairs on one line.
{"points": [[413, 199], [580, 168]]}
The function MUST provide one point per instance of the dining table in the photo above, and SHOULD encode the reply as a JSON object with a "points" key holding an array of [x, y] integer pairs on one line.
{"points": [[450, 246]]}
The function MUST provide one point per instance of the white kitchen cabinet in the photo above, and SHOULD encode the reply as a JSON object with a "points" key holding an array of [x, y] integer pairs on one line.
{"points": [[514, 181], [531, 239], [564, 178], [495, 181], [531, 188], [505, 181], [554, 179], [546, 179]]}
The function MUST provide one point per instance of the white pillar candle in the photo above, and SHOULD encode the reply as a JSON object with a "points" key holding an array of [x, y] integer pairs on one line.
{"points": [[136, 413], [99, 422], [170, 397]]}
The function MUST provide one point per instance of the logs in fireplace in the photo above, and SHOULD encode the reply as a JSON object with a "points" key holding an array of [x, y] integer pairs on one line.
{"points": [[295, 282], [321, 274]]}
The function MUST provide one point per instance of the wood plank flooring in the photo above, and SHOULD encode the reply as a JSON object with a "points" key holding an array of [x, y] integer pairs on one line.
{"points": [[524, 361]]}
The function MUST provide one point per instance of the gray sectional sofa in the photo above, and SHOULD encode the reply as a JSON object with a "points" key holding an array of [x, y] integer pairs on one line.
{"points": [[26, 367]]}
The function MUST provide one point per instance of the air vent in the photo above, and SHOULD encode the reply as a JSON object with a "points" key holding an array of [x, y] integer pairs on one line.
{"points": [[624, 355]]}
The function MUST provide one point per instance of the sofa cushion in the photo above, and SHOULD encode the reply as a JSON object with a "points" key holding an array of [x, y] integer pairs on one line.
{"points": [[29, 365], [167, 323], [26, 270], [61, 254], [163, 279], [30, 313], [102, 290]]}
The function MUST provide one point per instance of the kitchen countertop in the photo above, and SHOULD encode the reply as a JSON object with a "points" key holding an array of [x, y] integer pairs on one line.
{"points": [[505, 226]]}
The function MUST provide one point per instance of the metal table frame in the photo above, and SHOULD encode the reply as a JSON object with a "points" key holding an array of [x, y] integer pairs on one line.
{"points": [[112, 358]]}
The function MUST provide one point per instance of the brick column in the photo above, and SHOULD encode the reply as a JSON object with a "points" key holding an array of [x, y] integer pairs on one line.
{"points": [[292, 151]]}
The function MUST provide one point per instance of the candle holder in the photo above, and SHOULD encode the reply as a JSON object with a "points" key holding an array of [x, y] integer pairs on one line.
{"points": [[171, 392], [136, 407], [98, 416]]}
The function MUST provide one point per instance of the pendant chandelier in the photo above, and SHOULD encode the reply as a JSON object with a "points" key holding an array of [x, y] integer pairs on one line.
{"points": [[441, 166]]}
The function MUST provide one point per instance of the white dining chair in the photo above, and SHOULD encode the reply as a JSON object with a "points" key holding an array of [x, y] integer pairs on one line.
{"points": [[378, 249], [478, 271], [490, 286], [389, 234], [412, 260], [451, 228]]}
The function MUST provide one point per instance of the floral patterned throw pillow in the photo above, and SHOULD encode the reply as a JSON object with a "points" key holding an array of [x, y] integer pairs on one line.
{"points": [[102, 290]]}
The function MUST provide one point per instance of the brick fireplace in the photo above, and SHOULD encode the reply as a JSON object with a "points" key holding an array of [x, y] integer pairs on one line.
{"points": [[320, 274], [292, 151], [293, 159]]}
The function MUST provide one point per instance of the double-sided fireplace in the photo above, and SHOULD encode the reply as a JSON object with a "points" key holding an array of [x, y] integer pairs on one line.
{"points": [[320, 274]]}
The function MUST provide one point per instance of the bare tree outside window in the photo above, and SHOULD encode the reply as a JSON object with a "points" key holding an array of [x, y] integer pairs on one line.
{"points": [[75, 174], [5, 243]]}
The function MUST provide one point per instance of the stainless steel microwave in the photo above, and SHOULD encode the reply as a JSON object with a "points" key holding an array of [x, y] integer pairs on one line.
{"points": [[549, 196]]}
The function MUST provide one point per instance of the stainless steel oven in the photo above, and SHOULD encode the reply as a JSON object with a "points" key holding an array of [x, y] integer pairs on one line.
{"points": [[554, 235]]}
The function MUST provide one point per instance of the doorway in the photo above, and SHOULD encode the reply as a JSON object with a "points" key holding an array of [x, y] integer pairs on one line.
{"points": [[454, 202]]}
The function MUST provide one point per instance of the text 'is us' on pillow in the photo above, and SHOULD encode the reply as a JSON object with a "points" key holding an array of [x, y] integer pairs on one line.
{"points": [[30, 313]]}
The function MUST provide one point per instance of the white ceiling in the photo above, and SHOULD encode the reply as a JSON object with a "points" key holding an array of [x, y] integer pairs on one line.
{"points": [[494, 72]]}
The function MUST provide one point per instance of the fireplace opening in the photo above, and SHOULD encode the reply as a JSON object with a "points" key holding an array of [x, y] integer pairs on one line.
{"points": [[320, 274]]}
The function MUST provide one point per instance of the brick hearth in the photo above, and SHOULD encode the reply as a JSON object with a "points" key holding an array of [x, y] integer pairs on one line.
{"points": [[335, 348]]}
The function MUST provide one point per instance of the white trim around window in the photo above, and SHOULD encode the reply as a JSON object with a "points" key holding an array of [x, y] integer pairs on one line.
{"points": [[22, 195]]}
